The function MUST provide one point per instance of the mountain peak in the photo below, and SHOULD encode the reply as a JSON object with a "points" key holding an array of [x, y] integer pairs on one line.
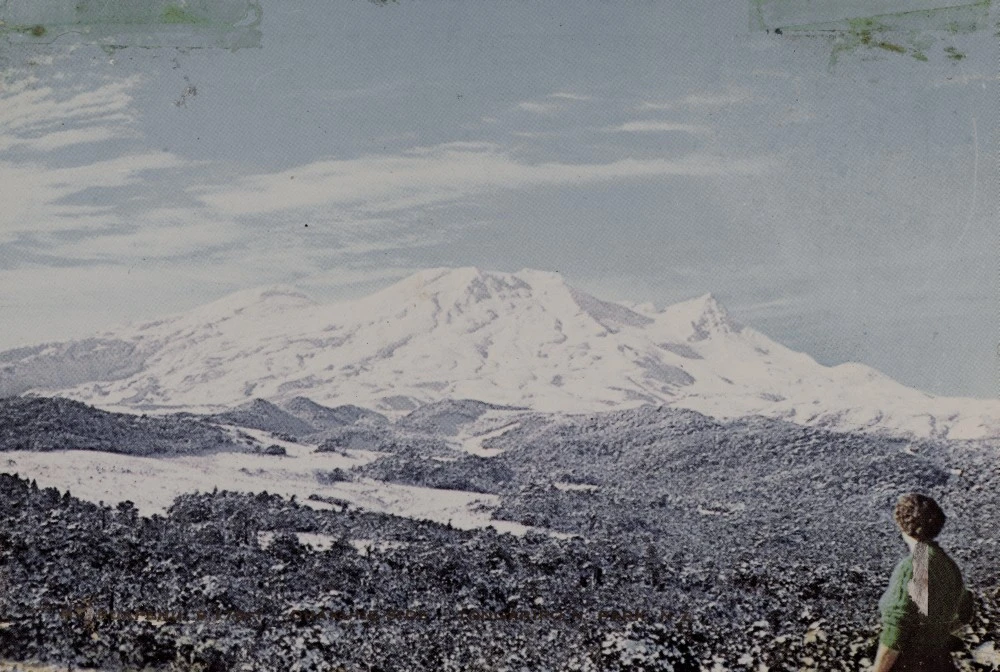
{"points": [[453, 285], [713, 310], [708, 303], [463, 276], [473, 285], [704, 314], [526, 339]]}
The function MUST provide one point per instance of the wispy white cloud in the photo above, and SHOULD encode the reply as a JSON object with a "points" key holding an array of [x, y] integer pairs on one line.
{"points": [[537, 108], [49, 219], [61, 139], [164, 233], [553, 102], [657, 126], [534, 134], [702, 100], [298, 242], [31, 192], [30, 111], [566, 95], [434, 175], [550, 104], [37, 182]]}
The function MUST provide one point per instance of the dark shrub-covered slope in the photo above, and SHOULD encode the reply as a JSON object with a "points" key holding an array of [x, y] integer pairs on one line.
{"points": [[448, 416], [197, 590], [326, 417], [53, 423], [263, 415], [689, 482], [686, 544]]}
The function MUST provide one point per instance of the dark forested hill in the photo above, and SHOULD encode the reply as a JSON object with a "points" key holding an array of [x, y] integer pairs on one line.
{"points": [[448, 416], [327, 417], [53, 423], [690, 483], [263, 415]]}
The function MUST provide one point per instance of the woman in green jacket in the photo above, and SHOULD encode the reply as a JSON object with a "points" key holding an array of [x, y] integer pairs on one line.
{"points": [[926, 600]]}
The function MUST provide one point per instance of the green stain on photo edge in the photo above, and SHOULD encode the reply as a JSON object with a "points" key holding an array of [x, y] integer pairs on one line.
{"points": [[911, 33], [227, 24], [954, 54], [888, 46], [177, 14]]}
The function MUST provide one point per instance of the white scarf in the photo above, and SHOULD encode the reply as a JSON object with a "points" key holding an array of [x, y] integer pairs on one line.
{"points": [[918, 589]]}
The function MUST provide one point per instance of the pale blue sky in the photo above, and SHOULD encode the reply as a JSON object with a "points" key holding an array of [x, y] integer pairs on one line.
{"points": [[649, 151]]}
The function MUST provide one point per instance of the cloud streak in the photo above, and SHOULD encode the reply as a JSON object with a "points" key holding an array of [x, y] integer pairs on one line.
{"points": [[436, 175], [31, 114], [702, 100], [537, 108], [566, 95], [32, 193], [658, 126], [38, 181]]}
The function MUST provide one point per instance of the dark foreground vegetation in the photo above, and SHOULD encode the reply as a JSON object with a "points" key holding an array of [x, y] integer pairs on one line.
{"points": [[687, 545], [196, 590]]}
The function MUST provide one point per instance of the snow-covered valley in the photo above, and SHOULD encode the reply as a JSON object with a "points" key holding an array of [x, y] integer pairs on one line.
{"points": [[153, 483]]}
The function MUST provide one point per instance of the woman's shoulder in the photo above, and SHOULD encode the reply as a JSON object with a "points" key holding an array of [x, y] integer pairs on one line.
{"points": [[941, 561], [938, 555], [905, 565]]}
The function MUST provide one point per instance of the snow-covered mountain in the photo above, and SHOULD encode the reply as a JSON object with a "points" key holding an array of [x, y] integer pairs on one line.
{"points": [[522, 339]]}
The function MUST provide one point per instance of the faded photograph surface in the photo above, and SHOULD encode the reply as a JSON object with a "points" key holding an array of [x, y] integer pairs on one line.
{"points": [[411, 336]]}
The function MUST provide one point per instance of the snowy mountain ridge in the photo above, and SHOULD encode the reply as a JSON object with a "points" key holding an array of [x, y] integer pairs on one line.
{"points": [[524, 339]]}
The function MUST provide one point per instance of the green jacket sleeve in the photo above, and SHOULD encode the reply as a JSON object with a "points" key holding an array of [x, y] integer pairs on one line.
{"points": [[897, 609]]}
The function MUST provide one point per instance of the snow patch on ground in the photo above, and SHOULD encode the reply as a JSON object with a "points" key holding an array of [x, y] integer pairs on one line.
{"points": [[987, 654], [152, 483], [577, 487], [318, 542], [490, 425]]}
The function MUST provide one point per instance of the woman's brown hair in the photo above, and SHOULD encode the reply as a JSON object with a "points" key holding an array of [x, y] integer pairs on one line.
{"points": [[919, 516]]}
